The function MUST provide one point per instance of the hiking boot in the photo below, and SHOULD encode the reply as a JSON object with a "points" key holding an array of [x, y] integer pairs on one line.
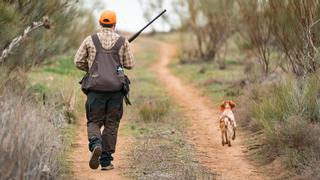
{"points": [[94, 160], [106, 168]]}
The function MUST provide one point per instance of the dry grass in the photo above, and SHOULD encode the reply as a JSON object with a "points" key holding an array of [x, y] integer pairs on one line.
{"points": [[166, 156], [30, 142], [161, 150], [285, 120], [154, 111]]}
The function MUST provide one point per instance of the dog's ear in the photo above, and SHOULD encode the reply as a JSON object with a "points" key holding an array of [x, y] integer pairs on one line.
{"points": [[222, 105], [232, 104]]}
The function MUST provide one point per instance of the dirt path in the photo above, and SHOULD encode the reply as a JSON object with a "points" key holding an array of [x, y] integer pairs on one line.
{"points": [[81, 156], [204, 133], [228, 162]]}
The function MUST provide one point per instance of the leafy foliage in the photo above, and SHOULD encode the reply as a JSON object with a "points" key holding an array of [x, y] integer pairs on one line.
{"points": [[69, 25]]}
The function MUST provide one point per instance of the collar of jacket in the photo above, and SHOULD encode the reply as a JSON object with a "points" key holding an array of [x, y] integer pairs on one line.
{"points": [[108, 30]]}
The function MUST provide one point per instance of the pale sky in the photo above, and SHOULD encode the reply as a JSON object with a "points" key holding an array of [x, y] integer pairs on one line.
{"points": [[129, 14]]}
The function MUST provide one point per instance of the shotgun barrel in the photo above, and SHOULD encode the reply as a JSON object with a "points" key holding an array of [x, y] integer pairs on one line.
{"points": [[138, 33]]}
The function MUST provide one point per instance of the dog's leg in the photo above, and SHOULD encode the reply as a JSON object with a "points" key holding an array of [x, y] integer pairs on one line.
{"points": [[234, 134], [229, 132], [230, 136], [222, 128], [226, 135], [222, 138]]}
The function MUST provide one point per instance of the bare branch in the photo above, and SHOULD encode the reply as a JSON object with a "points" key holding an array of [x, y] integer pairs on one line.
{"points": [[19, 39]]}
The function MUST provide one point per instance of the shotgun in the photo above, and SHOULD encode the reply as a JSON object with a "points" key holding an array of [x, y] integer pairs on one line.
{"points": [[138, 33], [126, 85]]}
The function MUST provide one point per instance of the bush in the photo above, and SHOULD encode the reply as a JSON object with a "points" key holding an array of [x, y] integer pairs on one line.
{"points": [[288, 114], [29, 140], [300, 142], [154, 111], [292, 98], [244, 114]]}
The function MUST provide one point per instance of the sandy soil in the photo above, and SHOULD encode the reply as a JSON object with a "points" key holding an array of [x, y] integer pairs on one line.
{"points": [[81, 156], [203, 132]]}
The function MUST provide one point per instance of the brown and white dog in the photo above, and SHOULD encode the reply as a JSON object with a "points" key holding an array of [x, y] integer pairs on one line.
{"points": [[227, 122]]}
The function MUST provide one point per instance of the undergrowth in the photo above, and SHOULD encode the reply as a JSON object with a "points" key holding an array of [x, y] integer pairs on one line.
{"points": [[38, 113], [30, 138], [288, 114]]}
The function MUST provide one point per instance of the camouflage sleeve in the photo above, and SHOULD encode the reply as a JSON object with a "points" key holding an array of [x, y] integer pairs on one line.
{"points": [[81, 57], [127, 56]]}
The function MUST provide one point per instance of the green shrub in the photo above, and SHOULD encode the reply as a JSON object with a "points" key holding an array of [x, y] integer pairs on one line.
{"points": [[311, 99], [282, 101], [39, 88], [297, 140], [288, 114]]}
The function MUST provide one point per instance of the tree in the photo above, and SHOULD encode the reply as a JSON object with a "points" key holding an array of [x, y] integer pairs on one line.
{"points": [[257, 29], [211, 23], [65, 33], [290, 27], [295, 25]]}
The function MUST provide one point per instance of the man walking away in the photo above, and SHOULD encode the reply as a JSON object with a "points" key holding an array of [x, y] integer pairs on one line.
{"points": [[103, 56]]}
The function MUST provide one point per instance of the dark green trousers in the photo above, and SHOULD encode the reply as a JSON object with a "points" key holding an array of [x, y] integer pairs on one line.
{"points": [[104, 109]]}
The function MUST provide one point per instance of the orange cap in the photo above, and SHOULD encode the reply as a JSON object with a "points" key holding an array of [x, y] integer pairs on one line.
{"points": [[108, 17]]}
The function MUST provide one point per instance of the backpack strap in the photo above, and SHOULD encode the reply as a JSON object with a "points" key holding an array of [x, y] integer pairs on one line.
{"points": [[96, 42], [98, 47], [116, 47]]}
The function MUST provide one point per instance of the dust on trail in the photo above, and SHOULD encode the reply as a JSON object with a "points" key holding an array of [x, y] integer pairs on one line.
{"points": [[81, 156], [204, 133]]}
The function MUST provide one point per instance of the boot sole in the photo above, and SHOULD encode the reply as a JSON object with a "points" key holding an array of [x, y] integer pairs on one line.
{"points": [[94, 160], [107, 168]]}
